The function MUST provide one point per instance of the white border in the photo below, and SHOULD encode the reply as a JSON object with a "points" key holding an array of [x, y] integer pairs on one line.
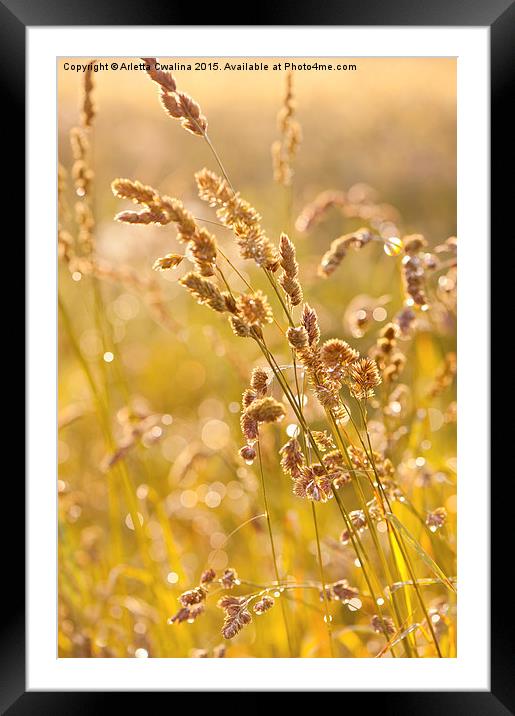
{"points": [[470, 670]]}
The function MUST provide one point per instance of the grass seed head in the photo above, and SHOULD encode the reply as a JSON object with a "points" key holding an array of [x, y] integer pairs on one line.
{"points": [[266, 410], [176, 104], [297, 337], [204, 291], [310, 323], [365, 376], [254, 309], [289, 279], [264, 604], [170, 261]]}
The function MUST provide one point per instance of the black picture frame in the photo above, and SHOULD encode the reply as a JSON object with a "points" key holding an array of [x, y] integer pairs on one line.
{"points": [[499, 16]]}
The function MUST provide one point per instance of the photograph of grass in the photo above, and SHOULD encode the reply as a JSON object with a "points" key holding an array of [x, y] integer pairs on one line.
{"points": [[257, 357]]}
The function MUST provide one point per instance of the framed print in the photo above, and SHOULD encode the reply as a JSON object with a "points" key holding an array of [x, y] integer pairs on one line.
{"points": [[258, 396]]}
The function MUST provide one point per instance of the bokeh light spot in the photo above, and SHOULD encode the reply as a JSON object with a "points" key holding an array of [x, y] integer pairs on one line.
{"points": [[215, 434]]}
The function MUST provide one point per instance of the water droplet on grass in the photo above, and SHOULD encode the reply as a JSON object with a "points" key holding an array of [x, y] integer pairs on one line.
{"points": [[392, 246]]}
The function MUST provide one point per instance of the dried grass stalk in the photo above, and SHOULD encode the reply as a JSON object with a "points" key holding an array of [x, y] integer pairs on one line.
{"points": [[176, 104], [289, 278], [284, 149], [339, 247], [163, 210], [314, 212], [238, 215]]}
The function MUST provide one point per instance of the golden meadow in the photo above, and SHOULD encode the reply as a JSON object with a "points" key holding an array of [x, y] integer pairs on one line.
{"points": [[257, 335]]}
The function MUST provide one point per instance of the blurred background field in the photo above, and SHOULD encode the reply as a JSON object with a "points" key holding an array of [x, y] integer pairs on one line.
{"points": [[392, 125]]}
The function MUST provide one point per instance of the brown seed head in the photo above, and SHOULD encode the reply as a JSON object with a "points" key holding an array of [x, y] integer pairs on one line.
{"points": [[342, 590], [284, 150], [313, 213], [176, 104], [182, 615], [192, 118], [228, 580], [323, 441], [359, 523], [248, 396], [230, 604], [170, 261], [254, 309], [255, 245], [148, 216], [248, 453], [382, 625], [436, 519], [337, 354], [339, 247], [365, 376], [313, 483], [390, 331], [332, 258], [234, 624], [192, 596], [259, 381], [231, 208], [266, 410], [249, 428], [264, 604], [292, 457], [239, 327], [163, 79], [239, 215], [202, 251], [133, 190], [414, 243], [207, 576], [310, 323], [204, 291], [88, 110], [289, 280], [177, 213], [297, 337]]}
